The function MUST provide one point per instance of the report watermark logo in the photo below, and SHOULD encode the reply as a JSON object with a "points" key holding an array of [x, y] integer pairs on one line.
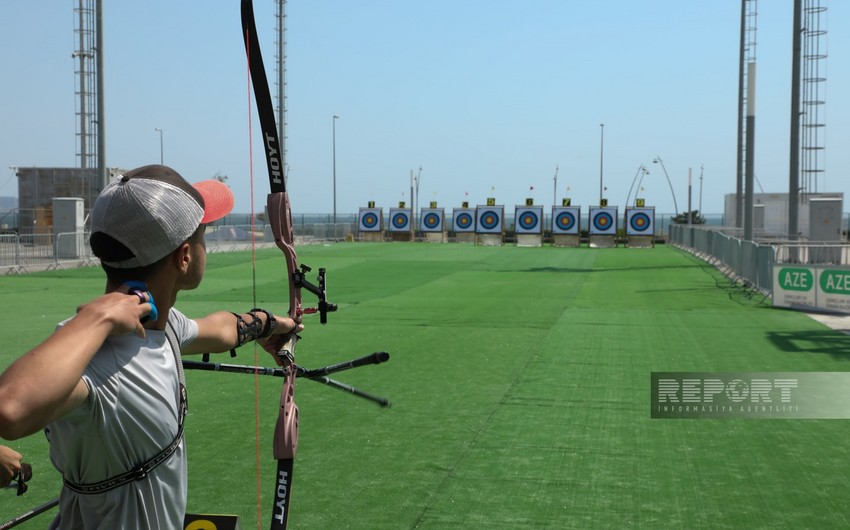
{"points": [[750, 395]]}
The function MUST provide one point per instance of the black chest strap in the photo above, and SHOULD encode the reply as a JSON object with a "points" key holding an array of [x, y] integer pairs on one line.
{"points": [[141, 471]]}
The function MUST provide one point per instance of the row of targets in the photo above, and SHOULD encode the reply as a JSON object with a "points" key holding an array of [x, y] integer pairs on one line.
{"points": [[528, 219]]}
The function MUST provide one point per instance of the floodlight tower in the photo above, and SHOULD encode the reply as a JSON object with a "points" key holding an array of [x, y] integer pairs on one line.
{"points": [[808, 70], [86, 89], [749, 12], [88, 70], [813, 92]]}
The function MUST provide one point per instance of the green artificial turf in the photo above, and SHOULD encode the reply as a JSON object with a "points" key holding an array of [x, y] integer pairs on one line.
{"points": [[520, 382]]}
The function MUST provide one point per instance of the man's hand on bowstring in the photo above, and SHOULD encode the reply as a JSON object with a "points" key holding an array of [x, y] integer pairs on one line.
{"points": [[124, 311]]}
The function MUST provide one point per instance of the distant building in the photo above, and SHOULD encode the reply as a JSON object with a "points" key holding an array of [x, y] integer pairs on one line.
{"points": [[771, 213], [38, 186]]}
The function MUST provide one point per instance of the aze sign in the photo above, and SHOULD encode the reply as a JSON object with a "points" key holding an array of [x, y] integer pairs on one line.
{"points": [[834, 290], [794, 287], [803, 286]]}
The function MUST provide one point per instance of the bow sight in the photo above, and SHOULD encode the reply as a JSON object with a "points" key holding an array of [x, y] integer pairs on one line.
{"points": [[299, 280]]}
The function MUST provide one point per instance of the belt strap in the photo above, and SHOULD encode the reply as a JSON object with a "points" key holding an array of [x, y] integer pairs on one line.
{"points": [[142, 471]]}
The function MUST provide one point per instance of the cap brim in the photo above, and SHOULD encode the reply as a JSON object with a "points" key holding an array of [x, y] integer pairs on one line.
{"points": [[218, 199]]}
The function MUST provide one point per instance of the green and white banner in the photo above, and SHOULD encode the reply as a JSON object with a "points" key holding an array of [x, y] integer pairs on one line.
{"points": [[824, 288], [833, 290]]}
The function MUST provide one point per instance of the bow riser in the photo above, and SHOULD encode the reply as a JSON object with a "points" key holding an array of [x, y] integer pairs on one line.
{"points": [[280, 221]]}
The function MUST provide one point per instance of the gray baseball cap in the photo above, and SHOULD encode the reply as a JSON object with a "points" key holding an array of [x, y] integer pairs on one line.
{"points": [[151, 210]]}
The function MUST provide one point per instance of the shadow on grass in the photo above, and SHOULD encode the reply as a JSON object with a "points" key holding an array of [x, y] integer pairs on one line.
{"points": [[606, 269], [815, 341]]}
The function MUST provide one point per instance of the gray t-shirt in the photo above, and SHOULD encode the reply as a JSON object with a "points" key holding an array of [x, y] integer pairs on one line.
{"points": [[130, 416]]}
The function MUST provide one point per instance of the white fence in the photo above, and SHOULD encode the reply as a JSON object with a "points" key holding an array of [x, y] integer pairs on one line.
{"points": [[752, 261], [21, 254]]}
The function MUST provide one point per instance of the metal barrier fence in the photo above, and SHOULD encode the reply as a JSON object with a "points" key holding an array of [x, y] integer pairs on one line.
{"points": [[24, 253], [27, 253], [813, 254], [752, 261], [748, 261]]}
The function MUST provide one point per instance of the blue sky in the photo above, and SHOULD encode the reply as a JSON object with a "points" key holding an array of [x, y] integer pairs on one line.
{"points": [[487, 97]]}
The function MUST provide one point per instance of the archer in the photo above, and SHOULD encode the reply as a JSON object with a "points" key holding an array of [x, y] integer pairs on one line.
{"points": [[107, 385]]}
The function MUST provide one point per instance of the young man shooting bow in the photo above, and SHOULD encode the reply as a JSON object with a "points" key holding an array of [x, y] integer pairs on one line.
{"points": [[107, 385]]}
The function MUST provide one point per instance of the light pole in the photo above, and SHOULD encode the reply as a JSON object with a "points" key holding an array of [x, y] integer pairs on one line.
{"points": [[690, 192], [601, 151], [640, 182], [555, 189], [333, 123], [415, 199], [661, 162], [641, 169], [161, 162], [700, 189], [632, 187]]}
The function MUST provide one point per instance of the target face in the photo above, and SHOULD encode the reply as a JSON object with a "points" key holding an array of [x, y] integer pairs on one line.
{"points": [[431, 220], [399, 220], [464, 222], [370, 220], [565, 221], [528, 220], [489, 220], [640, 221], [603, 221]]}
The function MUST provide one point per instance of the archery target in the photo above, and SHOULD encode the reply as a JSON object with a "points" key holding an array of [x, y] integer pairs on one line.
{"points": [[399, 220], [640, 221], [370, 220], [529, 220], [603, 220], [431, 220], [489, 219], [566, 220], [463, 221]]}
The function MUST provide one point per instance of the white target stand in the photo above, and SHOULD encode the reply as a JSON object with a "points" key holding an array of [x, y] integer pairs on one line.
{"points": [[489, 226], [463, 224], [432, 225], [603, 227], [400, 225], [529, 240], [370, 224], [640, 227], [528, 225], [566, 226]]}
